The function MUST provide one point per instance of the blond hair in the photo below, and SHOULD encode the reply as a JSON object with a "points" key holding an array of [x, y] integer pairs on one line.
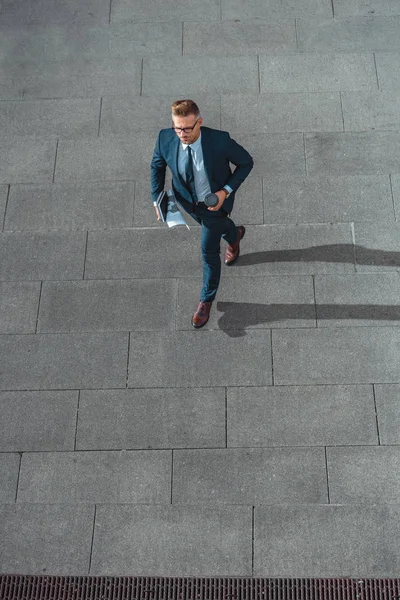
{"points": [[184, 108]]}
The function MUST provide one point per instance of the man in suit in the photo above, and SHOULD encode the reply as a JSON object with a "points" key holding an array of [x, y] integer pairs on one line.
{"points": [[199, 159]]}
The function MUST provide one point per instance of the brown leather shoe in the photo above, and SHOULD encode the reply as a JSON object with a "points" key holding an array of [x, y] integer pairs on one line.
{"points": [[201, 315], [232, 251]]}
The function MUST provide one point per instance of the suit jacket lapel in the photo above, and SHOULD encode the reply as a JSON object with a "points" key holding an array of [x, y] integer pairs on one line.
{"points": [[207, 153]]}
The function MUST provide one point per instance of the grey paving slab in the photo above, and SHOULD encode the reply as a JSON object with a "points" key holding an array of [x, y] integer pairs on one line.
{"points": [[203, 359], [273, 9], [377, 246], [250, 476], [125, 115], [63, 361], [275, 113], [252, 303], [322, 356], [317, 72], [151, 419], [295, 249], [77, 78], [27, 161], [140, 477], [3, 201], [388, 413], [220, 74], [326, 541], [49, 11], [277, 153], [327, 199], [110, 158], [358, 153], [364, 475], [165, 10], [172, 541], [19, 302], [358, 299], [85, 205], [9, 470], [74, 306], [301, 416], [38, 421], [387, 66], [395, 180], [344, 8], [356, 34], [227, 38], [82, 40], [50, 118], [378, 110], [132, 254], [29, 256], [39, 538]]}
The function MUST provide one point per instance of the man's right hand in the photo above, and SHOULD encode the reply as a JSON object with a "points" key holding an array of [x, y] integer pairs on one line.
{"points": [[157, 213]]}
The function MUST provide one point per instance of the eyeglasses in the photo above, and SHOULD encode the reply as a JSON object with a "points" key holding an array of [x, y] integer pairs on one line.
{"points": [[185, 129]]}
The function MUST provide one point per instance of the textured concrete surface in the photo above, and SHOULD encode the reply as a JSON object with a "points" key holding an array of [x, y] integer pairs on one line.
{"points": [[266, 444]]}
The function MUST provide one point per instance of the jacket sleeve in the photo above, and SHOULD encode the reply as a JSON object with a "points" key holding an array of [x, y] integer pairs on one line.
{"points": [[242, 160], [157, 171]]}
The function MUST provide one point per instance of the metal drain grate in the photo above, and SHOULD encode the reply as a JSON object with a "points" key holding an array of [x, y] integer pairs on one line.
{"points": [[31, 587]]}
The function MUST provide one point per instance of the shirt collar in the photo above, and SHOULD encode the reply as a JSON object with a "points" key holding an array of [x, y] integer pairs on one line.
{"points": [[195, 146]]}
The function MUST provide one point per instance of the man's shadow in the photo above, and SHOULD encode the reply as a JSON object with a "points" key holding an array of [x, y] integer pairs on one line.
{"points": [[239, 316]]}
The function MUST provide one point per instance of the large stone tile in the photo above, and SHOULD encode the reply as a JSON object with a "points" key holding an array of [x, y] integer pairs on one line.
{"points": [[149, 419], [369, 475], [327, 199], [76, 306], [19, 303], [358, 153], [110, 158], [281, 153], [70, 207], [227, 38], [26, 256], [252, 303], [50, 118], [250, 476], [273, 9], [70, 78], [125, 115], [173, 540], [203, 359], [351, 355], [27, 161], [295, 249], [77, 40], [138, 252], [4, 189], [348, 300], [387, 398], [301, 416], [379, 110], [63, 361], [165, 10], [39, 539], [275, 113], [220, 74], [9, 470], [377, 246], [317, 72], [37, 421], [141, 477], [49, 11], [396, 194], [362, 8], [326, 541], [348, 35], [388, 69]]}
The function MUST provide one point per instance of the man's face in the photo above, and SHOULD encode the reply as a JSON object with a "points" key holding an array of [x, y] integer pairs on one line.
{"points": [[187, 137]]}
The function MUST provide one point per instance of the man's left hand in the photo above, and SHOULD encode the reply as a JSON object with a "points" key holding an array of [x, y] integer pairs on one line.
{"points": [[222, 194]]}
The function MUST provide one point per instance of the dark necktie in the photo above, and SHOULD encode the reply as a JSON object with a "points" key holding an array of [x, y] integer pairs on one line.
{"points": [[190, 175]]}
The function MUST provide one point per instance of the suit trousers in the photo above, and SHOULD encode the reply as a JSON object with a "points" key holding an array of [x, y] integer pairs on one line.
{"points": [[214, 225]]}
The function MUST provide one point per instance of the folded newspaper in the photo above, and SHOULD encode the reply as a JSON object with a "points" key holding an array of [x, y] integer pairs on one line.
{"points": [[174, 216]]}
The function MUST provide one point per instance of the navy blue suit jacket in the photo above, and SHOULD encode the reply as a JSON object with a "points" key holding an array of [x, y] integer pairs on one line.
{"points": [[219, 149]]}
